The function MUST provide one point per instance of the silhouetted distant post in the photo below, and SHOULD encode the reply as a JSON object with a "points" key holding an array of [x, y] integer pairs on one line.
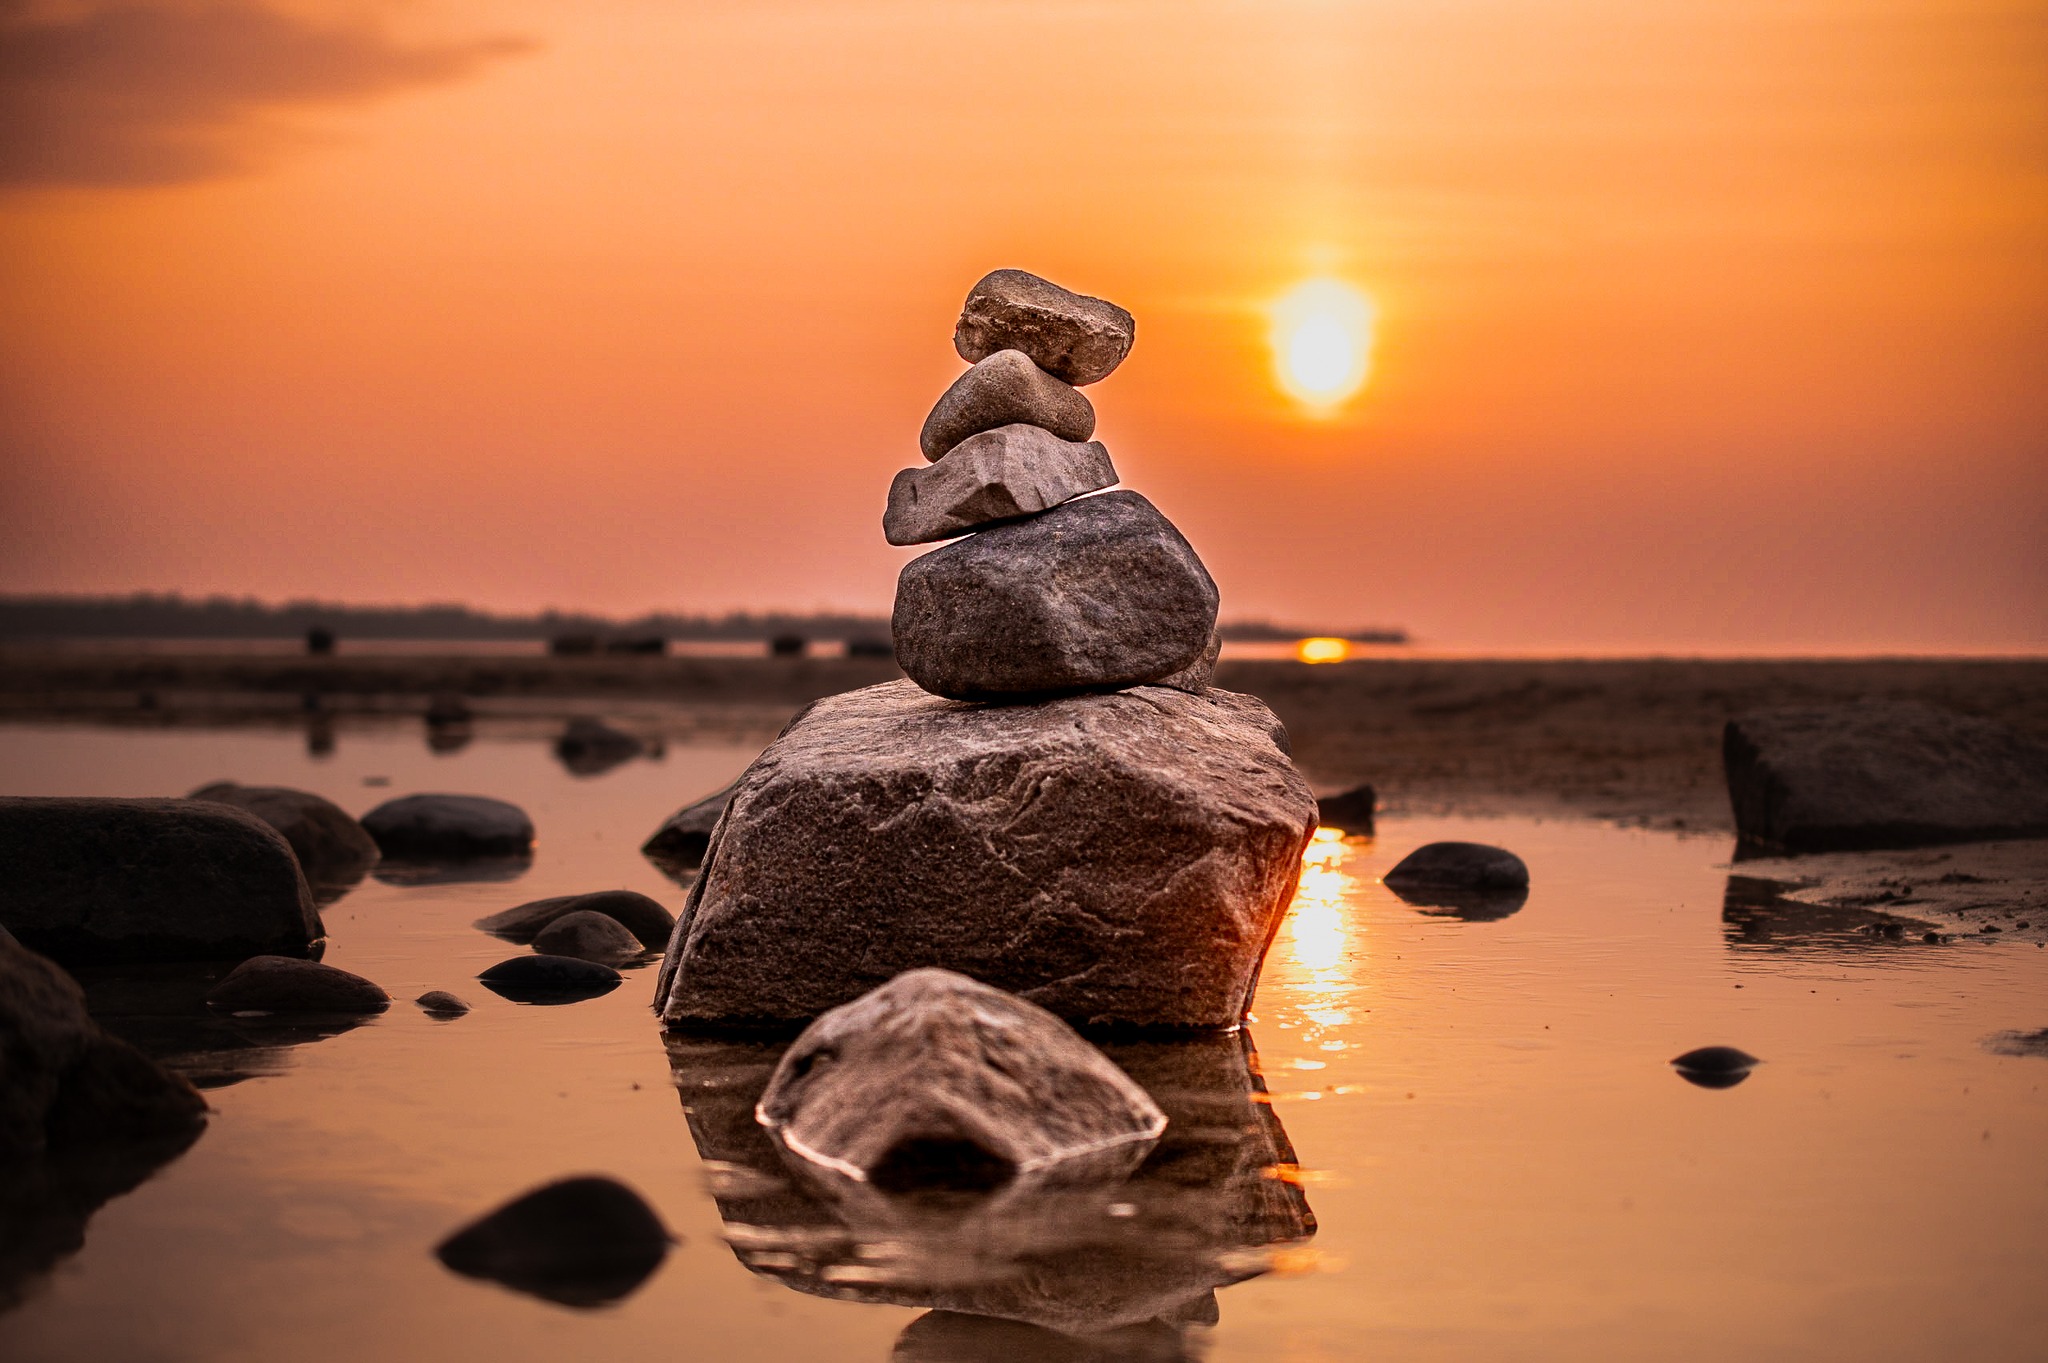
{"points": [[788, 646], [320, 641]]}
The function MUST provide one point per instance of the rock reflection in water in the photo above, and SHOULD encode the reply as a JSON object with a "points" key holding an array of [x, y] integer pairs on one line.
{"points": [[161, 1010], [1758, 913], [950, 1337], [46, 1201], [410, 871], [1202, 1212]]}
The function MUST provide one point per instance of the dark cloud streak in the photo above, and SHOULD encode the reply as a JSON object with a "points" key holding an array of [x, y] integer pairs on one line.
{"points": [[152, 94]]}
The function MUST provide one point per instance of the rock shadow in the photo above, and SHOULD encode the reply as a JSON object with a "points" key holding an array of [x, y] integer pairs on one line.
{"points": [[1207, 1208], [415, 870]]}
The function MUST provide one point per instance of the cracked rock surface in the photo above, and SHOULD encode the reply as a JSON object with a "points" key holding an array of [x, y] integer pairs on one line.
{"points": [[1117, 859], [999, 475], [1099, 593]]}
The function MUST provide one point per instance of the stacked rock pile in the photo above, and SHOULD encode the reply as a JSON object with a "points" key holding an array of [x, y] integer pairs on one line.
{"points": [[1058, 591], [1055, 803]]}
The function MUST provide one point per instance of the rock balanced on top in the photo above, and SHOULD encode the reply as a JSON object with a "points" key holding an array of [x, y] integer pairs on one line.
{"points": [[1053, 594]]}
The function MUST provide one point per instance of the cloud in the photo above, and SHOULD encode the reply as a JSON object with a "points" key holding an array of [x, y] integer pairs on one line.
{"points": [[161, 93]]}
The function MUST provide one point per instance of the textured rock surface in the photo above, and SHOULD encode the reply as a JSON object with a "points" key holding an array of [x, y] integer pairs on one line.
{"points": [[454, 826], [1881, 775], [1002, 390], [936, 1078], [581, 1242], [1195, 1216], [1126, 858], [63, 1081], [647, 920], [588, 936], [332, 848], [1195, 676], [1096, 594], [681, 841], [998, 475], [1081, 339], [282, 984], [149, 880]]}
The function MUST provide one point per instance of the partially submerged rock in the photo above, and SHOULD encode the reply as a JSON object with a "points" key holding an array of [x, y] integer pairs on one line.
{"points": [[282, 984], [650, 924], [1081, 339], [439, 1003], [1351, 810], [588, 936], [1004, 389], [590, 747], [935, 1079], [1468, 880], [682, 840], [1715, 1067], [1881, 775], [581, 1242], [1127, 858], [549, 979], [333, 849], [1097, 594], [93, 880], [429, 827], [995, 476]]}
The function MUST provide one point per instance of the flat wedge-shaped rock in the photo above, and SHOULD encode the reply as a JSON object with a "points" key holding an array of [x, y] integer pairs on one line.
{"points": [[936, 1080], [1003, 390], [999, 475], [150, 880], [1097, 594], [1881, 775], [1117, 859], [1081, 339]]}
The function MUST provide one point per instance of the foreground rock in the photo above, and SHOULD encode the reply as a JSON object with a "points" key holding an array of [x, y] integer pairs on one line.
{"points": [[1097, 594], [588, 936], [1881, 775], [999, 475], [1128, 858], [581, 1242], [936, 1080], [282, 984], [1086, 1258], [647, 920], [427, 827], [91, 880], [1195, 676], [1078, 338], [1002, 390], [682, 840], [549, 979], [333, 849]]}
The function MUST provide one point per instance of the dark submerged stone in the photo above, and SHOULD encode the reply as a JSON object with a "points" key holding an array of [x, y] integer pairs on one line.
{"points": [[282, 984], [588, 936], [453, 827], [647, 920], [333, 849], [681, 841], [440, 1003], [1351, 810], [549, 979], [582, 1242]]}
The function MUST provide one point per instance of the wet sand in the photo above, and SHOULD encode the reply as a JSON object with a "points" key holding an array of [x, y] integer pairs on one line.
{"points": [[1637, 741]]}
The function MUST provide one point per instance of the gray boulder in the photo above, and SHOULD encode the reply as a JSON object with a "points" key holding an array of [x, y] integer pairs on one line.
{"points": [[648, 922], [588, 936], [680, 842], [427, 827], [999, 475], [283, 984], [333, 849], [63, 1081], [1127, 858], [1078, 338], [581, 1242], [1004, 389], [1881, 775], [934, 1079], [1195, 676], [92, 880], [1097, 594]]}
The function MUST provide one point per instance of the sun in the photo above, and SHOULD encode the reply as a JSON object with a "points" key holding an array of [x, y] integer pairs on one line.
{"points": [[1322, 343]]}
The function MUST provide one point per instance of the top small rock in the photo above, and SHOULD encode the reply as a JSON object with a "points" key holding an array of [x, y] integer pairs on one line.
{"points": [[1069, 335]]}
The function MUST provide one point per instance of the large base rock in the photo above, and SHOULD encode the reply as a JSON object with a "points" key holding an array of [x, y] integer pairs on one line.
{"points": [[1120, 860], [150, 880], [1096, 594], [1888, 775]]}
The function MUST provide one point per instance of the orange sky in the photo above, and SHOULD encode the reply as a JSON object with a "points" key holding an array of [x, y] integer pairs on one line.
{"points": [[1701, 325]]}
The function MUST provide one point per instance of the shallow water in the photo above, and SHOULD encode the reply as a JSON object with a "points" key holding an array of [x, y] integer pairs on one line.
{"points": [[1500, 1161]]}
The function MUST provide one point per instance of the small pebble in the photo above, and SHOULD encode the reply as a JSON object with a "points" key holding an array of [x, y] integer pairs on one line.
{"points": [[441, 1004]]}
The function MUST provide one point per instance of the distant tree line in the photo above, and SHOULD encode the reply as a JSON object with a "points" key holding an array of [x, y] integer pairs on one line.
{"points": [[151, 615]]}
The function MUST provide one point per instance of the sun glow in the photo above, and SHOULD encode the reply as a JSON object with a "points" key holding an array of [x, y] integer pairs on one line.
{"points": [[1322, 343]]}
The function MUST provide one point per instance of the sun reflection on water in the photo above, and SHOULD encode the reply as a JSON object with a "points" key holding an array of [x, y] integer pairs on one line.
{"points": [[1319, 931]]}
